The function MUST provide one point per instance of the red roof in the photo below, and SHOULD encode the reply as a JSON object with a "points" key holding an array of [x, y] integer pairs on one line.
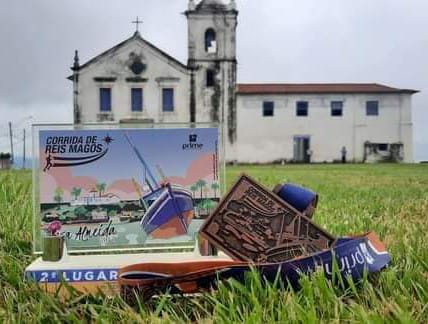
{"points": [[314, 88]]}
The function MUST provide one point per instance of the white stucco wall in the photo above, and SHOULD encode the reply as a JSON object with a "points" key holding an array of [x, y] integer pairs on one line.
{"points": [[265, 139], [160, 73]]}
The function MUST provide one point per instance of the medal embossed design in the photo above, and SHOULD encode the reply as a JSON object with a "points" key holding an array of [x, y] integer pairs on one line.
{"points": [[252, 223]]}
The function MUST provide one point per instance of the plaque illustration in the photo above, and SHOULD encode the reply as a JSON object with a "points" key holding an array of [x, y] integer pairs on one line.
{"points": [[128, 187]]}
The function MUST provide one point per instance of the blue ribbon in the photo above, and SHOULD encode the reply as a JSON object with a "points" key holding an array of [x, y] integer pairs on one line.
{"points": [[349, 257], [299, 197]]}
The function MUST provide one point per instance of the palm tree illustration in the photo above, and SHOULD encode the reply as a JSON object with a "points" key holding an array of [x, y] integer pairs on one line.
{"points": [[100, 187], [215, 186], [75, 192], [58, 193], [193, 189], [201, 185]]}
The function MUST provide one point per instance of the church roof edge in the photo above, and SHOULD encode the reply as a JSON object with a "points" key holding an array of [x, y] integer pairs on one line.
{"points": [[137, 36]]}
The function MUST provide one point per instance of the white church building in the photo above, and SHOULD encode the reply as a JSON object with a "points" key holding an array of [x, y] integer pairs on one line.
{"points": [[137, 82]]}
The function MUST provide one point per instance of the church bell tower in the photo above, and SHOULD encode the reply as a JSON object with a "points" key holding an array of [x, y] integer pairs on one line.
{"points": [[212, 60]]}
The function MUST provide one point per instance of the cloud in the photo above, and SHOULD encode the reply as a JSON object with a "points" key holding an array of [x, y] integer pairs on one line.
{"points": [[306, 41]]}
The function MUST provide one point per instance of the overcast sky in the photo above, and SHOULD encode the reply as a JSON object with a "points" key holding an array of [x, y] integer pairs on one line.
{"points": [[384, 41]]}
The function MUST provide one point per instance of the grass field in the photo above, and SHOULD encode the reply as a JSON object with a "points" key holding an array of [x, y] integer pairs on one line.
{"points": [[390, 199]]}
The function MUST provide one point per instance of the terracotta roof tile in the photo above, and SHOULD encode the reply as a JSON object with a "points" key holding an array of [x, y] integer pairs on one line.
{"points": [[310, 88]]}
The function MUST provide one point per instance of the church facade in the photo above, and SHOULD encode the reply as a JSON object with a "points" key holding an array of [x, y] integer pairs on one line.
{"points": [[137, 82]]}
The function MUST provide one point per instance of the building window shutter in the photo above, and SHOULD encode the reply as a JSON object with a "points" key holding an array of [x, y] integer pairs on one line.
{"points": [[105, 99], [268, 108], [372, 108], [137, 99], [336, 108], [168, 99], [302, 109]]}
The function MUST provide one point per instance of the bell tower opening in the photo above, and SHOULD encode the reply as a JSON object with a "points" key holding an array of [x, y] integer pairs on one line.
{"points": [[210, 41]]}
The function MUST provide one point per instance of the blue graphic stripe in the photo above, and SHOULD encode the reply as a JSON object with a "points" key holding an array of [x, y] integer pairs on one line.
{"points": [[68, 158], [80, 163]]}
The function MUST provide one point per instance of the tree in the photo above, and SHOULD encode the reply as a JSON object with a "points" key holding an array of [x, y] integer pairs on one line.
{"points": [[193, 188], [75, 192], [81, 212], [201, 185], [4, 159], [58, 193], [100, 187], [215, 186]]}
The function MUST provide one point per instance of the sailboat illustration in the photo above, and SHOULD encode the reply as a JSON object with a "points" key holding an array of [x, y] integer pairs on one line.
{"points": [[168, 208]]}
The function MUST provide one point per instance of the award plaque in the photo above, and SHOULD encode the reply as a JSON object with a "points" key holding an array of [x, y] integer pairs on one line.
{"points": [[116, 188]]}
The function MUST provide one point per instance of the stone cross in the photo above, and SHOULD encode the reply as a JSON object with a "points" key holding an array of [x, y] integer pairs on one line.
{"points": [[137, 22]]}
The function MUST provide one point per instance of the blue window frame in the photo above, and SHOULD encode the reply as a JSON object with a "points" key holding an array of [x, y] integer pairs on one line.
{"points": [[337, 108], [268, 108], [137, 99], [302, 108], [105, 99], [372, 108], [168, 99]]}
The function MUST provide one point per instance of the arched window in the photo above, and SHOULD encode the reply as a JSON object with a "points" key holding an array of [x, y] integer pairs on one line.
{"points": [[210, 41]]}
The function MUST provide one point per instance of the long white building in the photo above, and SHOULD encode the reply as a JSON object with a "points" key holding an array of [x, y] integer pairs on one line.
{"points": [[136, 81], [317, 122]]}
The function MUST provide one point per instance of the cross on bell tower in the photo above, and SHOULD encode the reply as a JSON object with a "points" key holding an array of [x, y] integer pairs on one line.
{"points": [[137, 22]]}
